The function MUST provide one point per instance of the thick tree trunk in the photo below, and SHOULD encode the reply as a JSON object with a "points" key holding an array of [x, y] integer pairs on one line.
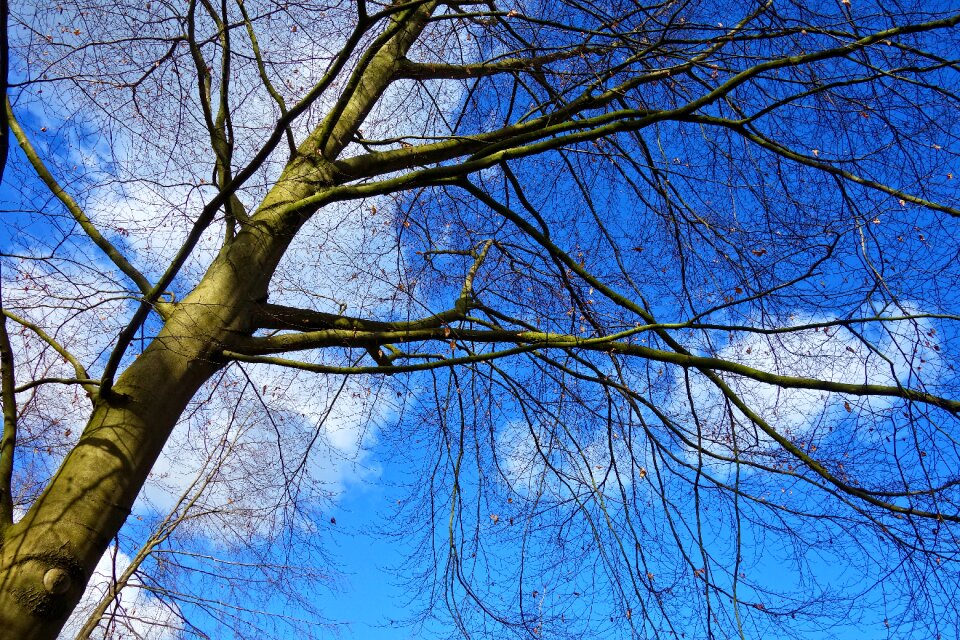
{"points": [[48, 556]]}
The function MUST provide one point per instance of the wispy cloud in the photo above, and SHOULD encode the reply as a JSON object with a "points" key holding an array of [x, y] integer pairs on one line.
{"points": [[888, 353], [133, 613]]}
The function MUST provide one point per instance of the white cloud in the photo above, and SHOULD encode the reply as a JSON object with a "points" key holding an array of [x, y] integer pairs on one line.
{"points": [[134, 613], [897, 352], [151, 224], [141, 190], [261, 438]]}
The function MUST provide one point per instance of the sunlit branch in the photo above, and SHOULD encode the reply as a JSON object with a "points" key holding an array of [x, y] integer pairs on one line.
{"points": [[434, 362], [78, 368], [607, 344], [279, 317], [84, 382], [71, 205], [425, 71], [206, 216], [374, 72]]}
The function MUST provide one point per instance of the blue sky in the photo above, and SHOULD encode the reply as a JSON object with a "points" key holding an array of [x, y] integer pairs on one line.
{"points": [[719, 227]]}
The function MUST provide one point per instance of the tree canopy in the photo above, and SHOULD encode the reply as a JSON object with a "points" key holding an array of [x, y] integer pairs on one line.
{"points": [[644, 315]]}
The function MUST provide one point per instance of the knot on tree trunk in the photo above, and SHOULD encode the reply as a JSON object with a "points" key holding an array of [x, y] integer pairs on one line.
{"points": [[44, 583]]}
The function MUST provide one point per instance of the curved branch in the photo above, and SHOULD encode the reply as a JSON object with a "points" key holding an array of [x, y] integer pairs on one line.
{"points": [[78, 368], [782, 151]]}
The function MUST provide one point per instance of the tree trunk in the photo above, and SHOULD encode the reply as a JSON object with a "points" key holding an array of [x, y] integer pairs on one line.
{"points": [[47, 558]]}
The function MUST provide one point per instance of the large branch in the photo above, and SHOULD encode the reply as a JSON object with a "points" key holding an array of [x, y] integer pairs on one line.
{"points": [[78, 214], [375, 71], [562, 127], [279, 317], [292, 184], [437, 71], [544, 340]]}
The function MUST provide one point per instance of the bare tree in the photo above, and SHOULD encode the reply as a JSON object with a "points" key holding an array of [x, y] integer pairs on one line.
{"points": [[657, 299]]}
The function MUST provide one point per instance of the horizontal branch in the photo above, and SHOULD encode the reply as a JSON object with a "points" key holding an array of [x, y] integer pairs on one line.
{"points": [[283, 318], [543, 340], [389, 368], [84, 382], [436, 70]]}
